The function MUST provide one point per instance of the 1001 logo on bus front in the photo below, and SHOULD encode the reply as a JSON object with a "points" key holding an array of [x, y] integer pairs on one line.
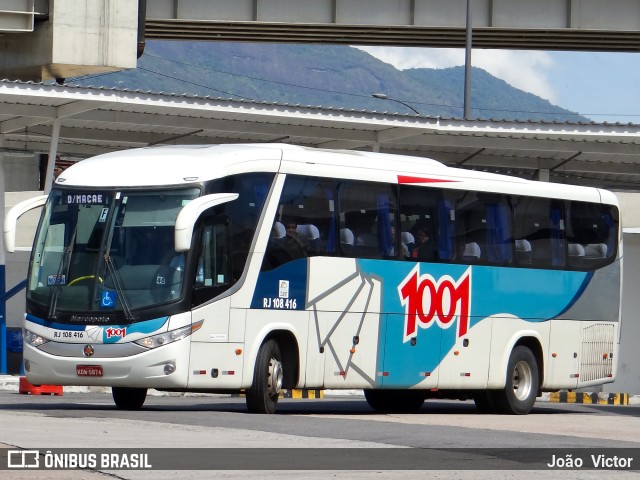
{"points": [[427, 300]]}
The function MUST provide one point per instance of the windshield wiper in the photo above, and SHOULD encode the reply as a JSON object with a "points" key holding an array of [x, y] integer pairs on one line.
{"points": [[111, 269], [118, 287], [63, 266]]}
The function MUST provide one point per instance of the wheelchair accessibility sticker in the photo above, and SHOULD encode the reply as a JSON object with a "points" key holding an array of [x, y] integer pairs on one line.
{"points": [[108, 299]]}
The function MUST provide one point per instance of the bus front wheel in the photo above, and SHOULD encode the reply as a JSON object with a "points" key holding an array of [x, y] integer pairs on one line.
{"points": [[263, 395], [129, 398], [521, 389]]}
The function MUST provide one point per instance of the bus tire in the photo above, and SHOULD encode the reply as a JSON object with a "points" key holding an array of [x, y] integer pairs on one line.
{"points": [[521, 388], [262, 396], [395, 401], [129, 398]]}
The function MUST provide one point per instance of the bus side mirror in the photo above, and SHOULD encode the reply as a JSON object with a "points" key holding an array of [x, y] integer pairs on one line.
{"points": [[11, 219], [190, 213]]}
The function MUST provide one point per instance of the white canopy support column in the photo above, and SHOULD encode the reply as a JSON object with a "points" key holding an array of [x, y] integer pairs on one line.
{"points": [[543, 175], [53, 152]]}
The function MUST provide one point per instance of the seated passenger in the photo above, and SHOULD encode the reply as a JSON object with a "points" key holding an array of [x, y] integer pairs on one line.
{"points": [[294, 243], [423, 250], [391, 251]]}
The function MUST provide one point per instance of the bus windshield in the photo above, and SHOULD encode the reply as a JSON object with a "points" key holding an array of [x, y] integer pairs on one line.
{"points": [[106, 251]]}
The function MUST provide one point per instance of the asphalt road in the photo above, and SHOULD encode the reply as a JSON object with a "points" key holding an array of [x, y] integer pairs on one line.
{"points": [[455, 435]]}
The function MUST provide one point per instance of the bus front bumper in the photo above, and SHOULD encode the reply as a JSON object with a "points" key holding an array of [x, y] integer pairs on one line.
{"points": [[163, 367]]}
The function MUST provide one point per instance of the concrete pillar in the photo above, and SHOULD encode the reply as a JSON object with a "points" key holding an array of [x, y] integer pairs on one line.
{"points": [[79, 38]]}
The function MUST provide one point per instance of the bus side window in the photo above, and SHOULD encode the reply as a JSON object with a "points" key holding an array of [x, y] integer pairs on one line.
{"points": [[212, 271], [369, 211], [427, 224], [243, 213], [472, 228], [591, 233], [539, 221], [484, 224], [305, 222], [499, 242]]}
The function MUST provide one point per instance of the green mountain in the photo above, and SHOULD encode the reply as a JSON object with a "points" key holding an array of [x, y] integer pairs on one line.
{"points": [[322, 75]]}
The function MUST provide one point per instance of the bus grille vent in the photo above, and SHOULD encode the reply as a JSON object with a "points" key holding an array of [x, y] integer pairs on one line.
{"points": [[596, 361]]}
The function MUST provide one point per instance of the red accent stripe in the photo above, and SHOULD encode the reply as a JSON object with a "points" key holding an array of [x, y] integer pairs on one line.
{"points": [[408, 179]]}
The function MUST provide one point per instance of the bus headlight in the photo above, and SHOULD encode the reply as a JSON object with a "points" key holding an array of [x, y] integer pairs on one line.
{"points": [[34, 339], [169, 337]]}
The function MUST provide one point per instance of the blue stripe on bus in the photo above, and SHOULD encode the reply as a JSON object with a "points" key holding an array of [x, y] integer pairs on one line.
{"points": [[54, 325], [147, 326], [268, 292]]}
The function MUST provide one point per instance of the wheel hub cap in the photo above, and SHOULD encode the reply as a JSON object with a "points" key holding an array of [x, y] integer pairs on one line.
{"points": [[274, 382], [522, 380]]}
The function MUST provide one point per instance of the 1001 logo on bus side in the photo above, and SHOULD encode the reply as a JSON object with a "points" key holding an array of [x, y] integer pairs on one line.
{"points": [[427, 300]]}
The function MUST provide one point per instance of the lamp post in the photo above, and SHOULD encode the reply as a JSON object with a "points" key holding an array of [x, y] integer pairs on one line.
{"points": [[467, 64], [383, 96]]}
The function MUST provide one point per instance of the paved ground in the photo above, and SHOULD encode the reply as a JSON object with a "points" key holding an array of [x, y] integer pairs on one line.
{"points": [[85, 417]]}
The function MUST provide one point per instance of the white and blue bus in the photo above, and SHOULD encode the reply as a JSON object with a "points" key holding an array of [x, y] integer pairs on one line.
{"points": [[259, 268]]}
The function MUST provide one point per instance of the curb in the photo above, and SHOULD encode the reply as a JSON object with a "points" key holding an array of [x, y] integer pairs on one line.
{"points": [[304, 393], [594, 398], [299, 393]]}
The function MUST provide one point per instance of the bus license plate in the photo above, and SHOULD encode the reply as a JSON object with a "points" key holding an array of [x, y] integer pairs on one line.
{"points": [[89, 370]]}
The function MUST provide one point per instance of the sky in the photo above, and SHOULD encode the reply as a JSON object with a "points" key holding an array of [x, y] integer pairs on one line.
{"points": [[603, 86]]}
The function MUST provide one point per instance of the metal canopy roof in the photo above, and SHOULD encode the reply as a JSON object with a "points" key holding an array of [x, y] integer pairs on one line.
{"points": [[99, 120]]}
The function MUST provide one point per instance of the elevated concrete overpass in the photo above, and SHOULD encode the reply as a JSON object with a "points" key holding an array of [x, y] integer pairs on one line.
{"points": [[520, 24], [44, 39]]}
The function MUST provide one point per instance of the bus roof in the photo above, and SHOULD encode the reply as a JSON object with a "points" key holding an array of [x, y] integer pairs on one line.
{"points": [[185, 165]]}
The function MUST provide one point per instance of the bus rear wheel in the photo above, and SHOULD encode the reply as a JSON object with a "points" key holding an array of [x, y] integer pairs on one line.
{"points": [[521, 389], [268, 376], [395, 401], [129, 398]]}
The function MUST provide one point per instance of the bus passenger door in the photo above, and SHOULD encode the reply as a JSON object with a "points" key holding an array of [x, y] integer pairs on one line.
{"points": [[410, 362]]}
